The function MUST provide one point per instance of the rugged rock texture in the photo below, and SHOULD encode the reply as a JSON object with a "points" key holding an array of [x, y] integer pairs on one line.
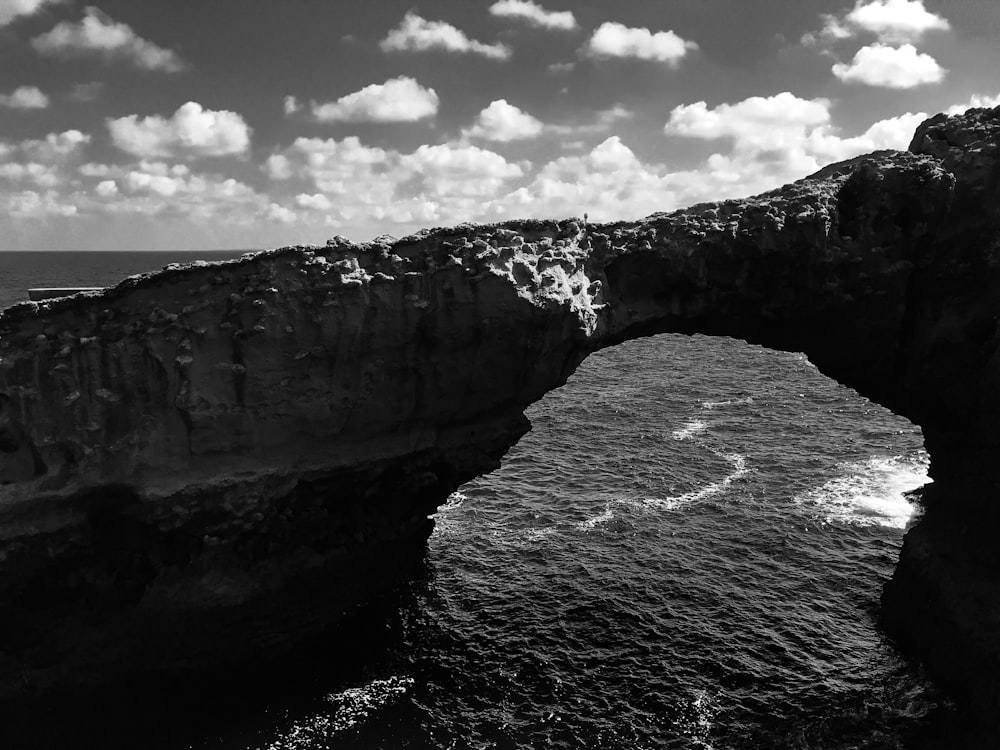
{"points": [[220, 458]]}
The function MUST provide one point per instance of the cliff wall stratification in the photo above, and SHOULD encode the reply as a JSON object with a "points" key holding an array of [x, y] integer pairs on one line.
{"points": [[252, 448]]}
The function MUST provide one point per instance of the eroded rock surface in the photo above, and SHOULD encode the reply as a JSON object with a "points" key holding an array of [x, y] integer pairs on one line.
{"points": [[224, 457]]}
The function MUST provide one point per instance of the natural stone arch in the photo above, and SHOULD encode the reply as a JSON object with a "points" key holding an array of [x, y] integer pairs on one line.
{"points": [[265, 438]]}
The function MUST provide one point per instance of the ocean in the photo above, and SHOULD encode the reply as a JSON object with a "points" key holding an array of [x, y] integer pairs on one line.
{"points": [[686, 551]]}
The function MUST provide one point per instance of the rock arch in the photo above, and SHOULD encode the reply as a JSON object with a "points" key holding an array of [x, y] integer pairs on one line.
{"points": [[270, 434]]}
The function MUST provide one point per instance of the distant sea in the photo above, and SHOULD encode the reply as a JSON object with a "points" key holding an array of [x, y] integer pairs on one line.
{"points": [[21, 271], [687, 551]]}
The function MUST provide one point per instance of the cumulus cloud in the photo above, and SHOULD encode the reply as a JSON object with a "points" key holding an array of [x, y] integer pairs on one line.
{"points": [[292, 105], [25, 97], [895, 20], [616, 40], [191, 130], [106, 188], [892, 21], [534, 14], [761, 120], [317, 201], [417, 34], [399, 99], [98, 34], [55, 146], [504, 122], [35, 205], [890, 67], [977, 101], [10, 10]]}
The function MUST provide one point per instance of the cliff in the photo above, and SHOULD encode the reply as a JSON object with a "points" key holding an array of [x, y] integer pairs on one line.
{"points": [[219, 458]]}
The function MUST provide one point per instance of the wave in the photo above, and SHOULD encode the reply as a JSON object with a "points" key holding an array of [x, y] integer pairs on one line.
{"points": [[350, 708], [869, 493], [693, 427]]}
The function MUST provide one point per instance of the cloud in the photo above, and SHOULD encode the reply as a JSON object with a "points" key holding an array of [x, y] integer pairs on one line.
{"points": [[534, 14], [504, 122], [55, 146], [892, 21], [399, 99], [106, 188], [447, 171], [317, 202], [616, 40], [10, 10], [280, 214], [25, 97], [363, 184], [763, 121], [890, 67], [292, 105], [976, 100], [98, 34], [895, 20], [34, 205], [416, 34], [191, 130]]}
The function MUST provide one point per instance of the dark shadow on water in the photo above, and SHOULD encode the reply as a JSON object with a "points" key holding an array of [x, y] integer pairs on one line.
{"points": [[238, 706]]}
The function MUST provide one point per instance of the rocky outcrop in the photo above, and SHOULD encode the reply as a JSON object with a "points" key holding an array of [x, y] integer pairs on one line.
{"points": [[225, 457]]}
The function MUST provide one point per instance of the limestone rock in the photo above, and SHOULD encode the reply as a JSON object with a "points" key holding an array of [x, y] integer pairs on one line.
{"points": [[224, 457]]}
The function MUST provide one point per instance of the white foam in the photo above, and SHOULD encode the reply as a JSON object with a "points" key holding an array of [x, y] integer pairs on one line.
{"points": [[689, 429], [597, 520], [444, 522], [350, 708], [869, 493], [732, 402], [737, 461], [740, 469]]}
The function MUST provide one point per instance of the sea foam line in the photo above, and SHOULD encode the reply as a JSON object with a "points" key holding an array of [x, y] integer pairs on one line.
{"points": [[691, 428], [740, 470]]}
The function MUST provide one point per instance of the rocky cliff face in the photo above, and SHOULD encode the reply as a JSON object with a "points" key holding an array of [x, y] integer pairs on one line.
{"points": [[220, 458]]}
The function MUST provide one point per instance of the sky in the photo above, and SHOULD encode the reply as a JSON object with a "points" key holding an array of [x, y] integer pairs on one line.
{"points": [[217, 124]]}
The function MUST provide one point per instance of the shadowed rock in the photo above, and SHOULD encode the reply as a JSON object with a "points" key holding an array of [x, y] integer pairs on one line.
{"points": [[222, 458]]}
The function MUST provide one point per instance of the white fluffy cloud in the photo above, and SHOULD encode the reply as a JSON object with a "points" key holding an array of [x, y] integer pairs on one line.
{"points": [[890, 67], [976, 100], [98, 34], [13, 9], [399, 99], [504, 122], [616, 40], [442, 183], [535, 14], [892, 21], [771, 120], [895, 20], [317, 201], [191, 130], [25, 97], [34, 205], [417, 34], [55, 146]]}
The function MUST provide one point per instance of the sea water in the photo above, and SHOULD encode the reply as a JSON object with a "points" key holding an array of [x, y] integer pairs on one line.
{"points": [[686, 551]]}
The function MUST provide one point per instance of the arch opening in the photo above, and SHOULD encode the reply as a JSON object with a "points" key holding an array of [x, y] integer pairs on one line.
{"points": [[715, 520]]}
